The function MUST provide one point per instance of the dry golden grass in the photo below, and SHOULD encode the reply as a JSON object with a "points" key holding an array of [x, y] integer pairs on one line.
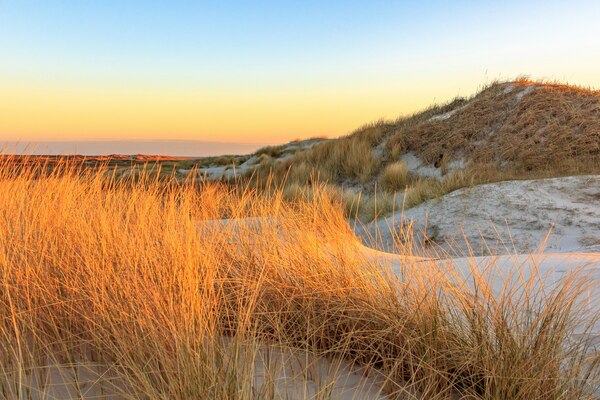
{"points": [[272, 151], [429, 188], [350, 157], [517, 130], [521, 126], [395, 176], [369, 207], [142, 281]]}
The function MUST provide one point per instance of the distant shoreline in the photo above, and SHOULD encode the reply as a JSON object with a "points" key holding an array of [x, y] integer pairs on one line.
{"points": [[174, 148]]}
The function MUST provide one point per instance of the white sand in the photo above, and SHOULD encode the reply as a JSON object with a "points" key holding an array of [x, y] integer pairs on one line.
{"points": [[276, 372], [508, 217], [286, 374], [62, 380], [543, 271]]}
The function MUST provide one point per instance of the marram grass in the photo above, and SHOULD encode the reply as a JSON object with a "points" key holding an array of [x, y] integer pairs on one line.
{"points": [[138, 289]]}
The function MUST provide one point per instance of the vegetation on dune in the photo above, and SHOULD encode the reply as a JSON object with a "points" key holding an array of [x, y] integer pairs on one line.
{"points": [[509, 130], [395, 176], [526, 125], [139, 283], [347, 158]]}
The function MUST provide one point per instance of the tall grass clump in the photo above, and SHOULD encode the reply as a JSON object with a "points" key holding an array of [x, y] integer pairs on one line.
{"points": [[159, 289], [349, 157], [395, 176]]}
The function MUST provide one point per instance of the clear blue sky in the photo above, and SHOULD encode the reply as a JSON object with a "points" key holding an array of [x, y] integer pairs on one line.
{"points": [[269, 71]]}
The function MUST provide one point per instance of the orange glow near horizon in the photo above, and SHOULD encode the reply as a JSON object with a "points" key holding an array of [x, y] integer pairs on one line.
{"points": [[254, 115], [34, 113]]}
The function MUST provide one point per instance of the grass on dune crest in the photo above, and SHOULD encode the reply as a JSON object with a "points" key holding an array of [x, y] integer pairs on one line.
{"points": [[521, 127], [138, 287], [508, 130]]}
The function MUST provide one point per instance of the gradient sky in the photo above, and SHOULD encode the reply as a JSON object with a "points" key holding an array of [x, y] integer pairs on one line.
{"points": [[261, 71]]}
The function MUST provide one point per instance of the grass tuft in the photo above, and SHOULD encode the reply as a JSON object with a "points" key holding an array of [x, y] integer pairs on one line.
{"points": [[395, 176]]}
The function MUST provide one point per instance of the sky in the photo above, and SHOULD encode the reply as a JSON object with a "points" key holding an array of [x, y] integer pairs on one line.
{"points": [[269, 71]]}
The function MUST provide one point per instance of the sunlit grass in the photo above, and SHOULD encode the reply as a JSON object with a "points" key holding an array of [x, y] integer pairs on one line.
{"points": [[137, 288], [508, 130]]}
